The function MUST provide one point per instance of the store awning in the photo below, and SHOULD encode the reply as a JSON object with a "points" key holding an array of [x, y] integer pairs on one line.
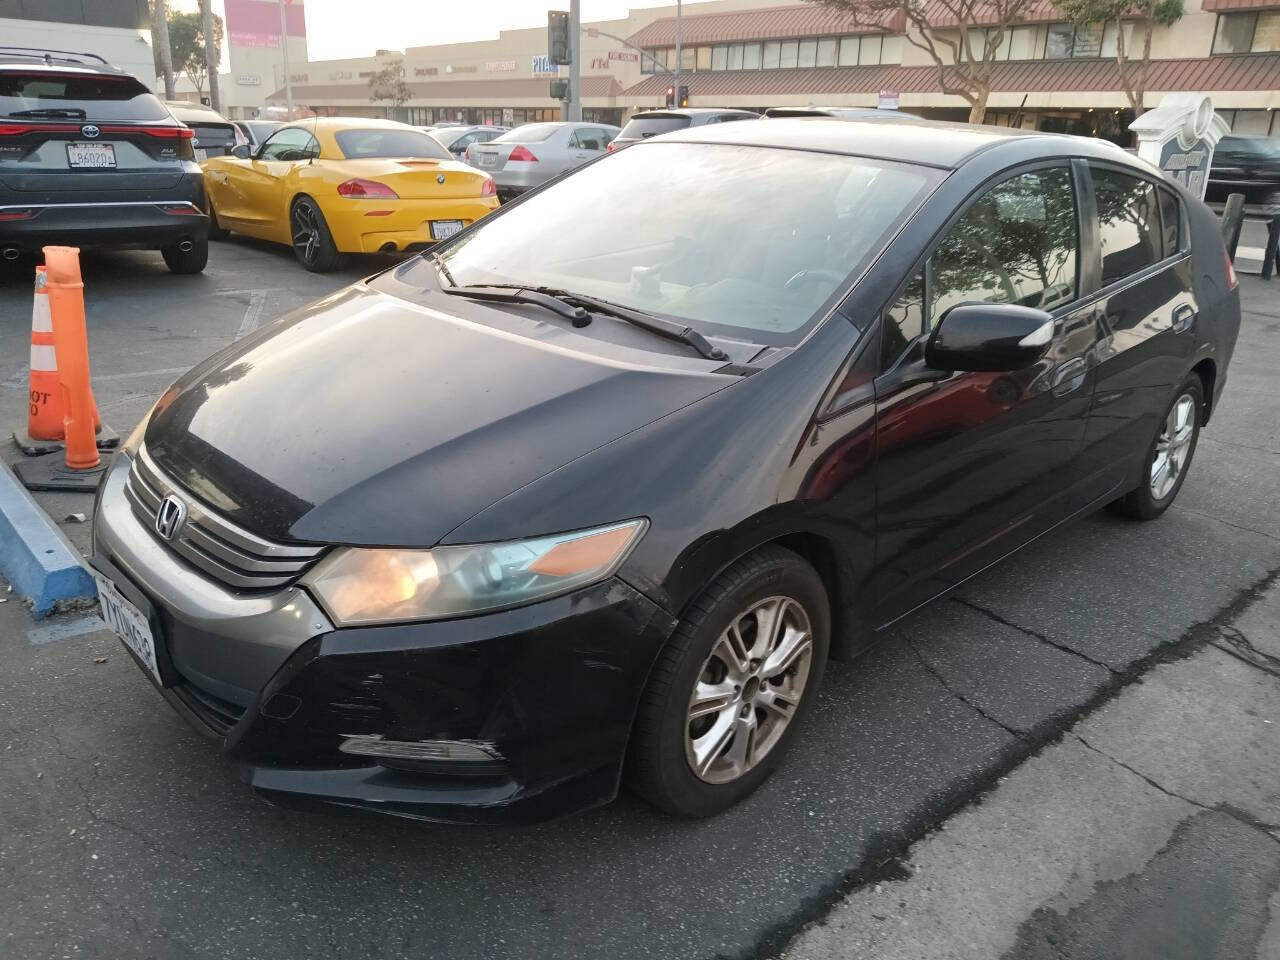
{"points": [[771, 23]]}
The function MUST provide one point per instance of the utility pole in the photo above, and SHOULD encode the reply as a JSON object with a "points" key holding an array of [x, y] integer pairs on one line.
{"points": [[575, 61], [210, 53], [678, 55], [160, 42], [284, 49]]}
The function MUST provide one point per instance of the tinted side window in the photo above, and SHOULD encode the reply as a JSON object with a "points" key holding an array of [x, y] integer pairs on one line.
{"points": [[291, 144], [1017, 243], [1170, 214], [903, 322], [1129, 223]]}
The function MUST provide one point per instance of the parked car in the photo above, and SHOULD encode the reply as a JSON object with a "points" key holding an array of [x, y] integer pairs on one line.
{"points": [[335, 185], [836, 113], [457, 139], [1248, 165], [593, 492], [255, 131], [215, 135], [89, 156], [653, 122], [528, 156]]}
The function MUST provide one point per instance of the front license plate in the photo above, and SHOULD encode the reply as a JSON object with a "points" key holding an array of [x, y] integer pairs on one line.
{"points": [[444, 228], [94, 156], [128, 622]]}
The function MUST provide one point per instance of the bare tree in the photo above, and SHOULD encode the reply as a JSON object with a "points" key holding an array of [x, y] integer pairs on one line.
{"points": [[212, 55], [388, 84], [160, 45], [963, 44], [1145, 15]]}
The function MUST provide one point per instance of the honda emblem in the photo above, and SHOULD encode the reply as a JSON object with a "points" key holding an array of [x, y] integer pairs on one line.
{"points": [[170, 517]]}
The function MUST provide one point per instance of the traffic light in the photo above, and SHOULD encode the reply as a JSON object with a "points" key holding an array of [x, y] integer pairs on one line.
{"points": [[671, 96], [684, 94], [558, 49]]}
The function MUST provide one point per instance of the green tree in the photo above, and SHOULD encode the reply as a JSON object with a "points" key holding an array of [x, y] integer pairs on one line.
{"points": [[186, 42], [961, 37], [1145, 15], [388, 84]]}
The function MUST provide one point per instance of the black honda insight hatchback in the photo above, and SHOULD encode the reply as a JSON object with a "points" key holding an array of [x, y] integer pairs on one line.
{"points": [[592, 491]]}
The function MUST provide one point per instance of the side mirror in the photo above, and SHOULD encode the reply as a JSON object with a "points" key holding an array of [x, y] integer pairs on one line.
{"points": [[241, 151], [989, 337]]}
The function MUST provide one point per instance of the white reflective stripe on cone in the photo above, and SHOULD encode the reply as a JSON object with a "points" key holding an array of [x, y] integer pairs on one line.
{"points": [[41, 316], [43, 358]]}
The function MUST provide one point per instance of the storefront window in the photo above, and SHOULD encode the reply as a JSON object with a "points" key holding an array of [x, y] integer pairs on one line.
{"points": [[870, 49], [1021, 43], [1266, 36], [772, 54], [751, 56], [1060, 41], [1235, 33], [849, 51], [808, 53], [703, 60], [891, 49], [790, 54], [720, 57], [827, 52], [1088, 41], [1109, 41], [735, 56]]}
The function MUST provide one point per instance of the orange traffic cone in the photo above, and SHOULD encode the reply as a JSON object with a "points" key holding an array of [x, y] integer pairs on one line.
{"points": [[44, 413]]}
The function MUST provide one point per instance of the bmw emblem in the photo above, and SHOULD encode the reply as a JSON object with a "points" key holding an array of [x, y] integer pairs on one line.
{"points": [[439, 178], [90, 130]]}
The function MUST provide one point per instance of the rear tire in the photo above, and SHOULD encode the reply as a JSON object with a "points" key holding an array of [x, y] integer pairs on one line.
{"points": [[1169, 457], [312, 242], [186, 261], [696, 766]]}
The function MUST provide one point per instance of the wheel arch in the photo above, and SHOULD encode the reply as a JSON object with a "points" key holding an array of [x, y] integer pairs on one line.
{"points": [[1207, 371]]}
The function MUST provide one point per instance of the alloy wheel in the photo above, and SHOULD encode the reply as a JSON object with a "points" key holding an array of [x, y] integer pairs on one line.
{"points": [[749, 689], [1173, 446], [306, 232]]}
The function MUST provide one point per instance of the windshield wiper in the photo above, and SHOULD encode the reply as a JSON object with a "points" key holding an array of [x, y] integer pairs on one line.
{"points": [[71, 113], [659, 325], [517, 294]]}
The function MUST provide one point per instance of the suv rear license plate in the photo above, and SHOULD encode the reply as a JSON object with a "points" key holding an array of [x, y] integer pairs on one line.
{"points": [[95, 156], [444, 228], [128, 622]]}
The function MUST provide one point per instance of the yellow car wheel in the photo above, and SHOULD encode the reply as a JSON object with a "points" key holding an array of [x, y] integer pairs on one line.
{"points": [[312, 242]]}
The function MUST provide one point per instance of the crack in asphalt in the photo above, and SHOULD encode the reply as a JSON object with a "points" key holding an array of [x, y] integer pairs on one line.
{"points": [[997, 618], [1242, 643], [1228, 523], [942, 682], [1243, 816], [1242, 446]]}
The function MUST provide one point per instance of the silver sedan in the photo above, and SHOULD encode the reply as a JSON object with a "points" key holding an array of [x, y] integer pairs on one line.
{"points": [[534, 153]]}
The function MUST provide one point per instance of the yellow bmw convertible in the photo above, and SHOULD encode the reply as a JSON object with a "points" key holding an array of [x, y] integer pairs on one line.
{"points": [[334, 185]]}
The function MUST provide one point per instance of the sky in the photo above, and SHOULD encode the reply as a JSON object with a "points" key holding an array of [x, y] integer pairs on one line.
{"points": [[355, 28]]}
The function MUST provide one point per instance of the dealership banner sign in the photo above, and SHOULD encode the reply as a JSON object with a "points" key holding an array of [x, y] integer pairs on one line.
{"points": [[256, 23]]}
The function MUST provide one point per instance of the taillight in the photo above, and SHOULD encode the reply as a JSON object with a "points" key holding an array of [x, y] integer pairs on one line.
{"points": [[362, 189], [522, 154], [1232, 280], [165, 133], [24, 214], [488, 188], [18, 129]]}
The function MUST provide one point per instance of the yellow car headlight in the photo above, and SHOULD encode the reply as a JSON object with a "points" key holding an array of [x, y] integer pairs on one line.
{"points": [[358, 585]]}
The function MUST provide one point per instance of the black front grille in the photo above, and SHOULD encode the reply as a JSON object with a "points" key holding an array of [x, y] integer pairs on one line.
{"points": [[221, 715]]}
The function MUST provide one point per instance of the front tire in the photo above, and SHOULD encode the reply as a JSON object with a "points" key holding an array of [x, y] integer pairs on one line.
{"points": [[729, 690], [1168, 457], [312, 242], [186, 261]]}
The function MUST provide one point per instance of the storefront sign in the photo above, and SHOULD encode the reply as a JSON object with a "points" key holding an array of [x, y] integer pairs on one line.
{"points": [[542, 66], [888, 100], [499, 66], [1179, 137], [460, 68], [626, 56], [508, 116], [249, 80], [426, 71], [599, 63]]}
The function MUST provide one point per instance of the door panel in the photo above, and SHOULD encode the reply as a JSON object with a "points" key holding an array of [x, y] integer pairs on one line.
{"points": [[971, 465]]}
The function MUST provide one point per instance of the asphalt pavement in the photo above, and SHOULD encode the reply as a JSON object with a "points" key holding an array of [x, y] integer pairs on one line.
{"points": [[122, 834]]}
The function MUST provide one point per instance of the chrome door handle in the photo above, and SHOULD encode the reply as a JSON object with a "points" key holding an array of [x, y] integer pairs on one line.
{"points": [[1183, 317], [1068, 376]]}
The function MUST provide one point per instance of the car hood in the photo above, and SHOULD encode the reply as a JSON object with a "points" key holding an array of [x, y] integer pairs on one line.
{"points": [[364, 419]]}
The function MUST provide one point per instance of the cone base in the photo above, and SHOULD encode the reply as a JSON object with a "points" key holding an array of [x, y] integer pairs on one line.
{"points": [[51, 472], [107, 439]]}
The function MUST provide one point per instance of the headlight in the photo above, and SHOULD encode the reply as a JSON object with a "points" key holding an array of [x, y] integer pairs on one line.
{"points": [[357, 585]]}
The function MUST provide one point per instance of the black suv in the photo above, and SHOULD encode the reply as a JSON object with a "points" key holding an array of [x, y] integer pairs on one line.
{"points": [[89, 156], [1248, 165]]}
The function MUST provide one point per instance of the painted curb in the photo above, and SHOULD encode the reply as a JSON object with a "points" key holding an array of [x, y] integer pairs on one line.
{"points": [[35, 556]]}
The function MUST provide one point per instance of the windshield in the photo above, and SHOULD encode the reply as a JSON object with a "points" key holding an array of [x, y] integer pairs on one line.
{"points": [[740, 241], [529, 133], [388, 142], [90, 97], [639, 127], [261, 130]]}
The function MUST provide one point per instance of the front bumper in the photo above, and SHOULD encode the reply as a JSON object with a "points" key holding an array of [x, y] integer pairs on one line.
{"points": [[369, 226], [550, 690]]}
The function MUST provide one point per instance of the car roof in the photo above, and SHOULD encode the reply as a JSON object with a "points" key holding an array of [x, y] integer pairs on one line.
{"points": [[338, 124], [903, 138], [61, 61], [692, 112]]}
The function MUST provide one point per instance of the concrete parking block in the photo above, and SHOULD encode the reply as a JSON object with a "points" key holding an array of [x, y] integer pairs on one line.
{"points": [[35, 557]]}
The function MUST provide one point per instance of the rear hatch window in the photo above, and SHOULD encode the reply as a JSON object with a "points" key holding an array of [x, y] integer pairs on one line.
{"points": [[384, 142], [529, 133], [638, 128], [215, 139], [76, 97]]}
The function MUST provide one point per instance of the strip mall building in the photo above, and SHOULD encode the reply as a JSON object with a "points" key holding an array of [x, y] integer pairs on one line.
{"points": [[762, 53]]}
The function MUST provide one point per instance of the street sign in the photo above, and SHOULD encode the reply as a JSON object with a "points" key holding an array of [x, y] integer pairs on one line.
{"points": [[1179, 137], [558, 49], [559, 89], [888, 100]]}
